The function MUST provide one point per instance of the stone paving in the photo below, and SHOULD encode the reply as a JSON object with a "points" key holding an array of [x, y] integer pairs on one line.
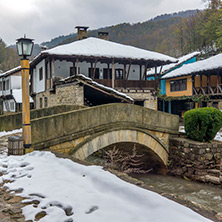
{"points": [[10, 205]]}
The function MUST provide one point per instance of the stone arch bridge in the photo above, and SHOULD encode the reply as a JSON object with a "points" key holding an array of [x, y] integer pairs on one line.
{"points": [[82, 132]]}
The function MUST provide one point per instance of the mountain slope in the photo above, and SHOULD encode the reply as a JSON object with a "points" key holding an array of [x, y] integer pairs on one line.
{"points": [[157, 34]]}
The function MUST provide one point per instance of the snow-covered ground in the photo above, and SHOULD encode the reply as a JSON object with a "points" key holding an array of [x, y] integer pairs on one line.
{"points": [[68, 191], [3, 133]]}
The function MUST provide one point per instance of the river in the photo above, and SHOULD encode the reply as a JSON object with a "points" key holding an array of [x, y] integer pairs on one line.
{"points": [[205, 196]]}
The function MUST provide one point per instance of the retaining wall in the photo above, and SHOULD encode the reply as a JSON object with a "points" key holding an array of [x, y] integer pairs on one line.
{"points": [[14, 121], [197, 161]]}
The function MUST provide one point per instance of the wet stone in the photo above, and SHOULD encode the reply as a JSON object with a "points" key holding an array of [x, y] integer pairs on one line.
{"points": [[40, 215]]}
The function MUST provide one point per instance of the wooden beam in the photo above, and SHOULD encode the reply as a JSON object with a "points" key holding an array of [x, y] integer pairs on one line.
{"points": [[208, 83], [94, 70], [124, 75], [193, 84], [108, 73], [53, 72], [77, 66], [144, 74], [113, 74], [218, 80], [156, 80], [127, 76], [91, 70], [46, 75]]}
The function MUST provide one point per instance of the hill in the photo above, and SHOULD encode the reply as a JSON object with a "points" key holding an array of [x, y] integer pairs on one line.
{"points": [[157, 34]]}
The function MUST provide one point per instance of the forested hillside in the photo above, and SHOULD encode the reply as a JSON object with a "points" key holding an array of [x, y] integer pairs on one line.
{"points": [[157, 34], [8, 57]]}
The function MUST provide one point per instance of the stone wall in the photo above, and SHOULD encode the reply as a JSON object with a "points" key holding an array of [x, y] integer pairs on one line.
{"points": [[197, 161], [68, 94], [146, 96], [14, 121]]}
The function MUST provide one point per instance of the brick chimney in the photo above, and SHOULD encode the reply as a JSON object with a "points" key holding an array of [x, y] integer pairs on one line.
{"points": [[81, 32], [103, 35]]}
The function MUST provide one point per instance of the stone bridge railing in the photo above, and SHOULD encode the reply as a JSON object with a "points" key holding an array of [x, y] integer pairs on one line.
{"points": [[56, 129]]}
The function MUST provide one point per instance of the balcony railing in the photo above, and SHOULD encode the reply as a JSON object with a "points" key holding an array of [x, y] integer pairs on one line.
{"points": [[137, 84], [208, 90]]}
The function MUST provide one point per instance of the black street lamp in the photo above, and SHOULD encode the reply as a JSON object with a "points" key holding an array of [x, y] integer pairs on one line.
{"points": [[24, 49]]}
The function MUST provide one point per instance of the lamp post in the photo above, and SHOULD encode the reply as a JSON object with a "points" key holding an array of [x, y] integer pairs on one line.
{"points": [[24, 49]]}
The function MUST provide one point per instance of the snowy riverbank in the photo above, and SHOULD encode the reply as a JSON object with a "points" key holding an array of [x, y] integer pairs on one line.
{"points": [[68, 191]]}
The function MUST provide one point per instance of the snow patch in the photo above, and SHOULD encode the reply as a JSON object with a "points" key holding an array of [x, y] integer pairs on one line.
{"points": [[68, 191]]}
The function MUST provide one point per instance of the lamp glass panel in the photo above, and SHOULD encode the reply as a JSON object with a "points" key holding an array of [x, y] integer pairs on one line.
{"points": [[27, 47], [19, 48]]}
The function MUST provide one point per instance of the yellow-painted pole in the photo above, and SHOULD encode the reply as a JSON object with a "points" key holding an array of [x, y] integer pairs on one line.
{"points": [[26, 126]]}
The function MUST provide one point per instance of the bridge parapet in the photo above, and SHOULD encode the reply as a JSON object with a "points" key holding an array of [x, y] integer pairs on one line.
{"points": [[59, 128]]}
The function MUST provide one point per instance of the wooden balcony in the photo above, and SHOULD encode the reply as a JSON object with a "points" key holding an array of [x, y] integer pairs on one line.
{"points": [[208, 90], [132, 84]]}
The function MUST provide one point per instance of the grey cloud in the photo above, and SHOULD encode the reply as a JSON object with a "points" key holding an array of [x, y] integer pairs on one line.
{"points": [[47, 19]]}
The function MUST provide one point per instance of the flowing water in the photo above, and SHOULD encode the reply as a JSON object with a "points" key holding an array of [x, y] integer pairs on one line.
{"points": [[206, 195]]}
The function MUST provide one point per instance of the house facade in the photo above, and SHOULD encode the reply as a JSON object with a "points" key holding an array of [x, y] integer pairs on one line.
{"points": [[110, 64], [159, 72], [11, 90], [195, 85]]}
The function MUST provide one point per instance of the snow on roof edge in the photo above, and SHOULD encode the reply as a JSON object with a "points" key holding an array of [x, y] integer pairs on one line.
{"points": [[105, 51], [173, 65], [100, 86], [211, 63]]}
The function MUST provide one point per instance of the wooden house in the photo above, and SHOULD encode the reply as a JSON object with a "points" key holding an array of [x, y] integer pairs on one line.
{"points": [[11, 90], [108, 63], [193, 85]]}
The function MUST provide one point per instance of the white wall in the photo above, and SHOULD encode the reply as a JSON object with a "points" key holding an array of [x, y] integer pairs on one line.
{"points": [[15, 82], [62, 68], [39, 85]]}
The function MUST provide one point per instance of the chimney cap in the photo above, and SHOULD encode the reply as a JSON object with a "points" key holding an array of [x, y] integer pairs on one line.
{"points": [[82, 27]]}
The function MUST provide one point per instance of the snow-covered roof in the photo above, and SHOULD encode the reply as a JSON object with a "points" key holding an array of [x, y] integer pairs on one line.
{"points": [[16, 69], [167, 68], [95, 47], [214, 62], [91, 82], [17, 94]]}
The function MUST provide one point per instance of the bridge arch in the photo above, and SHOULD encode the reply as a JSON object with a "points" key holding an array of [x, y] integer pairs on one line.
{"points": [[106, 138]]}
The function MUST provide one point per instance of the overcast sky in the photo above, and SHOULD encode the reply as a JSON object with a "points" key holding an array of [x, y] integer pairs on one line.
{"points": [[43, 20]]}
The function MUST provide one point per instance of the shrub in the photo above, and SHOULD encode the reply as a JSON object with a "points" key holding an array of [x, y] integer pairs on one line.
{"points": [[202, 124]]}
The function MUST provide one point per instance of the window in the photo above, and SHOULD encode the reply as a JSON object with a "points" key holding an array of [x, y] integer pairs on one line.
{"points": [[96, 73], [3, 85], [12, 107], [46, 101], [0, 86], [40, 102], [72, 73], [178, 85], [118, 73], [40, 74], [7, 84], [105, 73]]}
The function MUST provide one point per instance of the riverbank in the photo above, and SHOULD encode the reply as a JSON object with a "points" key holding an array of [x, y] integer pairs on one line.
{"points": [[10, 205], [215, 214], [10, 215]]}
